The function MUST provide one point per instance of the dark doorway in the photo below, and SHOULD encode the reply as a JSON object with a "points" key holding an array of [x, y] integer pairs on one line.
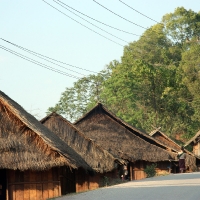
{"points": [[2, 184]]}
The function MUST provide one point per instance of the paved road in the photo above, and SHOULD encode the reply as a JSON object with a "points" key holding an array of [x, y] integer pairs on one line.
{"points": [[171, 187]]}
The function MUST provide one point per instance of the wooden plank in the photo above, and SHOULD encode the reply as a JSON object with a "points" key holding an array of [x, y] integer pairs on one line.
{"points": [[32, 178], [26, 186], [19, 192], [51, 190], [26, 176], [56, 190], [57, 185], [55, 172], [50, 185], [11, 176], [38, 176], [39, 192], [45, 193], [44, 175], [131, 172], [26, 191], [33, 192], [7, 195], [17, 176], [11, 192], [50, 175]]}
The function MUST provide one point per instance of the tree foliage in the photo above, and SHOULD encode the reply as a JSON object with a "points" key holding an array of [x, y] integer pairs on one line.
{"points": [[156, 83]]}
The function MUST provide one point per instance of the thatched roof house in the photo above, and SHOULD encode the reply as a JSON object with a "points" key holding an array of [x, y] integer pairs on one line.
{"points": [[99, 159], [194, 140], [121, 139], [195, 143], [26, 144], [163, 138]]}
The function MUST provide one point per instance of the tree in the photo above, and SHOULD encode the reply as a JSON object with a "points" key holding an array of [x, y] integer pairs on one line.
{"points": [[190, 66], [156, 83], [182, 25], [154, 47], [84, 94]]}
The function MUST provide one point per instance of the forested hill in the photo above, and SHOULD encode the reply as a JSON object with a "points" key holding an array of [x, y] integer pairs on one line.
{"points": [[155, 84]]}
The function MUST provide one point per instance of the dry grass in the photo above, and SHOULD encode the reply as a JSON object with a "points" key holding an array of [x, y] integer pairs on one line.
{"points": [[120, 140], [26, 144], [100, 160]]}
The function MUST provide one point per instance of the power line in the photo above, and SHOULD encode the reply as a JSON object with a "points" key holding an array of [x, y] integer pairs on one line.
{"points": [[35, 54], [40, 55], [139, 12], [98, 20], [120, 16], [83, 24], [90, 22], [37, 63]]}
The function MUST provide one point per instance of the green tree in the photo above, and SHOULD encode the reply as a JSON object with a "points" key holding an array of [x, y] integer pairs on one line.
{"points": [[182, 25], [84, 94], [156, 83], [154, 47]]}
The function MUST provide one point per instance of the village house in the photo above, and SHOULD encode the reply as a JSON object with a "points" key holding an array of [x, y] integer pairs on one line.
{"points": [[194, 142], [101, 161], [124, 141], [190, 160], [35, 164]]}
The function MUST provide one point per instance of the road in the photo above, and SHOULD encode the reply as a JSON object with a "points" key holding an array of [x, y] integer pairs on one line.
{"points": [[171, 187]]}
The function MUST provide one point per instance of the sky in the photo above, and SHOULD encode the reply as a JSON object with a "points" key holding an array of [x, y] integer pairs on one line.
{"points": [[61, 35]]}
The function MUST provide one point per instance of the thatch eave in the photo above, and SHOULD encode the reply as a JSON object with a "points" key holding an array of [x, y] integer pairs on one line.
{"points": [[99, 159], [137, 132], [192, 140], [99, 123], [30, 127]]}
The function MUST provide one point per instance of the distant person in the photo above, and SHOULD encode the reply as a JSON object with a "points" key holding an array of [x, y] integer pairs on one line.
{"points": [[181, 157], [124, 172]]}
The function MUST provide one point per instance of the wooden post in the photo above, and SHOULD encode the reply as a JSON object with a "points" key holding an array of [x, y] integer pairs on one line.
{"points": [[131, 171]]}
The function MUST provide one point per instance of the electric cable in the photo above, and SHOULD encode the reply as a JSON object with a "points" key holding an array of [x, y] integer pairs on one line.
{"points": [[37, 63], [83, 24], [98, 20], [120, 16], [34, 53], [50, 61], [139, 12], [91, 23]]}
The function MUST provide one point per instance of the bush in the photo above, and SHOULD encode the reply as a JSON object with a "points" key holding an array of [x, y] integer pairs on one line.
{"points": [[105, 181], [150, 170]]}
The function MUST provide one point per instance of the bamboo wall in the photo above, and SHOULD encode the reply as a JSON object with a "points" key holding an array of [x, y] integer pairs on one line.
{"points": [[33, 185]]}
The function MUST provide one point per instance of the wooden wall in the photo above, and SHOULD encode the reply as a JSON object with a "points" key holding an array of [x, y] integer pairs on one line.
{"points": [[136, 169], [41, 185], [33, 185], [86, 181], [68, 180], [196, 149]]}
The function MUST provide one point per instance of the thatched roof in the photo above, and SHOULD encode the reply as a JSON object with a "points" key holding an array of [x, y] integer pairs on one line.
{"points": [[100, 160], [120, 138], [194, 139], [162, 137], [26, 144]]}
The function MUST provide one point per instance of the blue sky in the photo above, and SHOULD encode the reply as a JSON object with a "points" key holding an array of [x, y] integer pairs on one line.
{"points": [[40, 28]]}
